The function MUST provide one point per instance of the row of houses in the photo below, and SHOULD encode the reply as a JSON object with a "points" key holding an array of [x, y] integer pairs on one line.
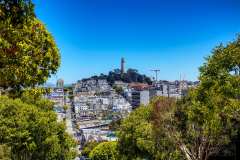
{"points": [[91, 86], [95, 99], [139, 93]]}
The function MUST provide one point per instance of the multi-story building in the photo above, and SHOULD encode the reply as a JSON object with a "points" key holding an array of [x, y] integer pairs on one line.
{"points": [[139, 97], [60, 83], [57, 96], [138, 93]]}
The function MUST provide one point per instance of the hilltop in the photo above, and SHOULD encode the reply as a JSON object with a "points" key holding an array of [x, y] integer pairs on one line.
{"points": [[131, 75]]}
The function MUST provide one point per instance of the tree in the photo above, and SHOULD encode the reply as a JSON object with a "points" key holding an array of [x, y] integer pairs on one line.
{"points": [[17, 11], [142, 134], [33, 133], [28, 53], [105, 151], [28, 56], [4, 152], [34, 96], [118, 90], [135, 135], [65, 108], [133, 75], [115, 124], [88, 148], [166, 146], [208, 119], [196, 127]]}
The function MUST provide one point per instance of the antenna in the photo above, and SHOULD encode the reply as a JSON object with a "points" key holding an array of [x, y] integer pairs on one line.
{"points": [[156, 73], [182, 81], [182, 77]]}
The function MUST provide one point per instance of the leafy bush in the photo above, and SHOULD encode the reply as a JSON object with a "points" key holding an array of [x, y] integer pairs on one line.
{"points": [[33, 133], [105, 151]]}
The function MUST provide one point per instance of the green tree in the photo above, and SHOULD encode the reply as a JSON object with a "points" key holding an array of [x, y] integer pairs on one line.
{"points": [[165, 145], [135, 135], [209, 117], [17, 11], [28, 56], [142, 134], [28, 53], [198, 126], [105, 151], [88, 148], [33, 133], [65, 108], [115, 124], [34, 96], [4, 152], [118, 90]]}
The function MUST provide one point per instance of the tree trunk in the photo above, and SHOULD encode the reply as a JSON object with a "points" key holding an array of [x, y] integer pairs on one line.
{"points": [[187, 153]]}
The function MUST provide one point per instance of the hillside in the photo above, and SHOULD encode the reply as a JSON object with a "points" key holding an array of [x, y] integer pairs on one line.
{"points": [[132, 75]]}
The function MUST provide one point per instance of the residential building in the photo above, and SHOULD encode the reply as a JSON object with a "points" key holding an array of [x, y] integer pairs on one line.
{"points": [[139, 97], [57, 96]]}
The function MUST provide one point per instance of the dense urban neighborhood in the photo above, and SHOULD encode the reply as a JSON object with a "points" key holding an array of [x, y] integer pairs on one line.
{"points": [[91, 105], [105, 103]]}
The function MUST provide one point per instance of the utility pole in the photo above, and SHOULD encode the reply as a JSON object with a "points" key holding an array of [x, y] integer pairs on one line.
{"points": [[182, 86], [156, 73]]}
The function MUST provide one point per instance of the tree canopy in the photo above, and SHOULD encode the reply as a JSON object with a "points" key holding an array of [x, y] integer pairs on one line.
{"points": [[32, 132], [16, 11], [142, 135], [28, 53], [208, 119], [28, 56], [132, 75], [88, 147], [196, 127], [214, 107], [105, 151]]}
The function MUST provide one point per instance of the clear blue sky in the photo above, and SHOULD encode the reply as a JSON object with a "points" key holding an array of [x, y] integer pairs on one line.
{"points": [[171, 35]]}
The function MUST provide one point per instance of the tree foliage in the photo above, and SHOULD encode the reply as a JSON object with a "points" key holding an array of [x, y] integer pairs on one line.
{"points": [[209, 117], [28, 53], [142, 134], [28, 56], [88, 148], [17, 11], [196, 127], [33, 133], [132, 75], [118, 90], [166, 146], [4, 152], [135, 140], [105, 151]]}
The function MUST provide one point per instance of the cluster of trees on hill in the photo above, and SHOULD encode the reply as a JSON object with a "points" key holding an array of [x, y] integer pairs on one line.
{"points": [[132, 75], [204, 125], [28, 56]]}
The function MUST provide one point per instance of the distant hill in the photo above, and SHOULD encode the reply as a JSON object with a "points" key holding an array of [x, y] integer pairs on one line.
{"points": [[130, 76], [48, 85]]}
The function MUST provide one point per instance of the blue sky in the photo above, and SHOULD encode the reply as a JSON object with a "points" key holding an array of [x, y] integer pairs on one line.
{"points": [[171, 35]]}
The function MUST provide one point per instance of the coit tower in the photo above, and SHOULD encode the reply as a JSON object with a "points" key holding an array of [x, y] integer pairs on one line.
{"points": [[122, 65]]}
